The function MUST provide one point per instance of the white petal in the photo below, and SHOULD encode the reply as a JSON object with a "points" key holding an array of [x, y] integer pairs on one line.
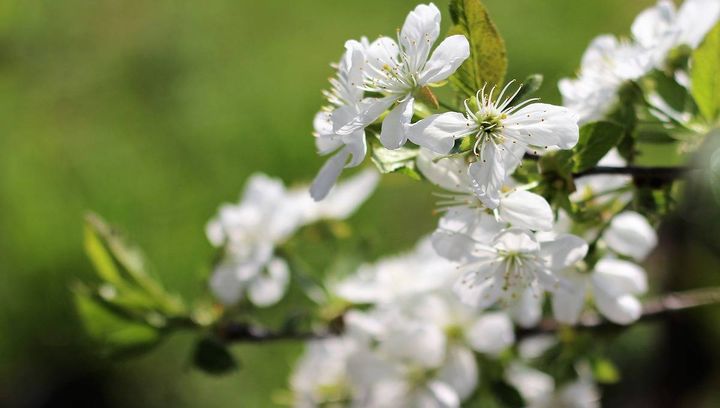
{"points": [[695, 19], [616, 276], [366, 113], [491, 333], [443, 396], [480, 293], [541, 124], [526, 210], [226, 285], [516, 240], [356, 144], [328, 175], [422, 344], [631, 234], [652, 23], [438, 132], [447, 173], [418, 34], [445, 60], [348, 195], [527, 310], [623, 309], [460, 371], [382, 53], [215, 232], [267, 289], [534, 386], [568, 301], [565, 251], [488, 175], [395, 126], [326, 140]]}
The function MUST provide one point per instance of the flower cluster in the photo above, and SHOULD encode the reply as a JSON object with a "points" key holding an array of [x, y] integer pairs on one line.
{"points": [[537, 229], [609, 62], [267, 215]]}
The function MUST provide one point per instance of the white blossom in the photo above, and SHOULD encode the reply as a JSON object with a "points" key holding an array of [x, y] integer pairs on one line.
{"points": [[613, 285], [345, 97], [267, 215], [606, 65], [538, 389], [501, 135], [513, 269], [661, 28], [398, 70], [630, 234], [406, 363], [516, 206], [320, 376], [395, 278]]}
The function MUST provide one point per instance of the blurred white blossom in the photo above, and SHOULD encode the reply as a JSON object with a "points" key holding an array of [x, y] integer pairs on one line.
{"points": [[267, 215]]}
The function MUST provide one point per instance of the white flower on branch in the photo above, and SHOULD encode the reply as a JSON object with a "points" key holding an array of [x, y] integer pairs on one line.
{"points": [[392, 279], [398, 70], [661, 28], [513, 269], [516, 206], [320, 376], [345, 97], [630, 234], [606, 65], [613, 285], [267, 215], [539, 391], [501, 134], [407, 363]]}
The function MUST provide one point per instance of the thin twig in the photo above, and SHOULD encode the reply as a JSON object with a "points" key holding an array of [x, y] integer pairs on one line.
{"points": [[655, 173], [659, 307]]}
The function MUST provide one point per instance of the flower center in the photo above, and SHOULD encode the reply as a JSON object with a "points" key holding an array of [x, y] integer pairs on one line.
{"points": [[490, 126]]}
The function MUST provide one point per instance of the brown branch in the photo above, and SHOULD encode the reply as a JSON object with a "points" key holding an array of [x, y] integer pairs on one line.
{"points": [[644, 173], [655, 308]]}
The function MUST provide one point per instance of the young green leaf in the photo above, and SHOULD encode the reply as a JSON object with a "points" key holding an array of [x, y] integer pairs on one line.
{"points": [[399, 160], [596, 139], [488, 58], [705, 75], [114, 332]]}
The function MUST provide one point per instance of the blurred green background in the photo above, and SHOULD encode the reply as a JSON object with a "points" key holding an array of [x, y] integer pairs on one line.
{"points": [[152, 113]]}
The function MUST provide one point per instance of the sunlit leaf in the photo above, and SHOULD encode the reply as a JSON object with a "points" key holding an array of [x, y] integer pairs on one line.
{"points": [[488, 58], [705, 75], [596, 139]]}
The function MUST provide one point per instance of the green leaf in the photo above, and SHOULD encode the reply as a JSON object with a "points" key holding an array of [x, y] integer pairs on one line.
{"points": [[487, 63], [122, 265], [398, 160], [115, 332], [596, 139], [705, 74], [213, 357], [604, 371]]}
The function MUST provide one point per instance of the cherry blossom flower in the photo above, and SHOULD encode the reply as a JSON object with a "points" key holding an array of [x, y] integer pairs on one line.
{"points": [[606, 65], [502, 133], [398, 70], [345, 97], [613, 284], [516, 206], [267, 215]]}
